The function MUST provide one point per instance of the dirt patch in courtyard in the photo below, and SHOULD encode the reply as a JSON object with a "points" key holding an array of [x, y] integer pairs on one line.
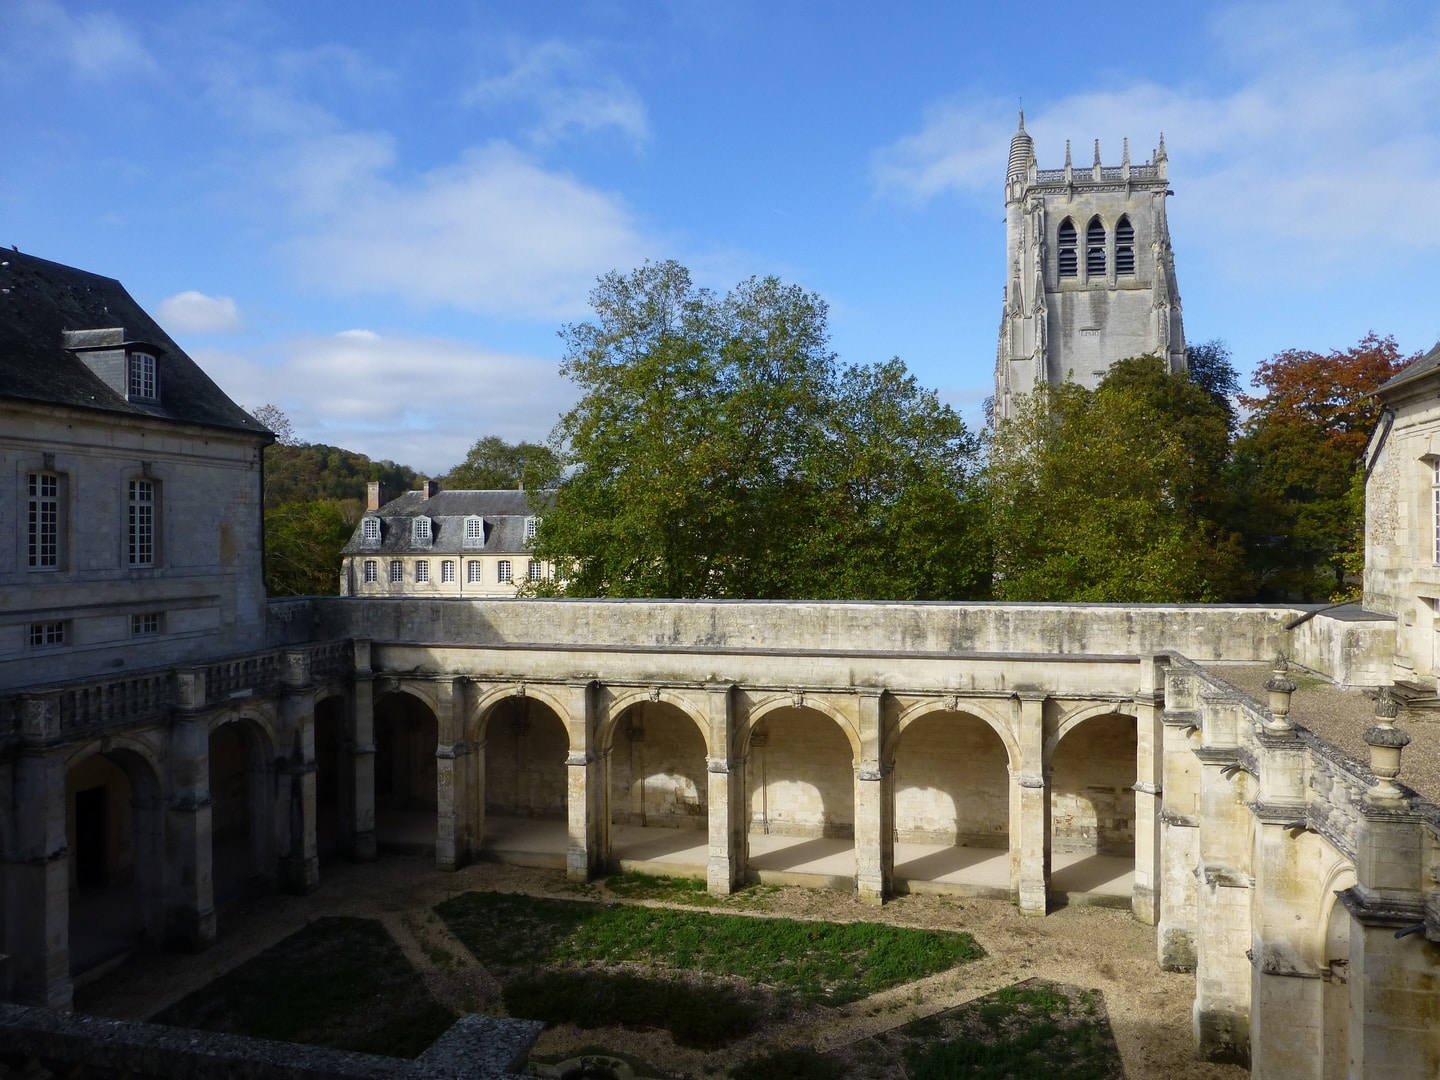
{"points": [[1086, 947]]}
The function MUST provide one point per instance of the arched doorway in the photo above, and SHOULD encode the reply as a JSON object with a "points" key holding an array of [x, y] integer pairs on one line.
{"points": [[526, 783], [242, 853], [115, 830], [334, 832], [952, 807], [800, 797], [407, 736], [658, 791], [1092, 812]]}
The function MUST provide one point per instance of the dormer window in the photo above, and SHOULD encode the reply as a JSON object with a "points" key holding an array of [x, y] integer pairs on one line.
{"points": [[370, 530], [474, 532], [420, 530], [141, 382], [532, 525]]}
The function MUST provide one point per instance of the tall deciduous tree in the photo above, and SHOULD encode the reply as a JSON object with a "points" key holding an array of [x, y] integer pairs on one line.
{"points": [[717, 451], [1114, 494], [494, 464], [1294, 469]]}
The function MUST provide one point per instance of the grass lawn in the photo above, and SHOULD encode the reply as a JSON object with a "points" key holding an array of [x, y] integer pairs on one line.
{"points": [[340, 982]]}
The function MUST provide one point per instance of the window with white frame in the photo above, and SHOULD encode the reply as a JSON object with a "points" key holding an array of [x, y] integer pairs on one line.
{"points": [[44, 521], [473, 572], [372, 571], [47, 634], [420, 530], [474, 532], [397, 571], [370, 530], [533, 570], [145, 625], [141, 545], [532, 525], [422, 572], [447, 572], [502, 572], [140, 377]]}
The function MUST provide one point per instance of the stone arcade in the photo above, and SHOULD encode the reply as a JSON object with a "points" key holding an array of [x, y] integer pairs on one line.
{"points": [[1037, 752]]}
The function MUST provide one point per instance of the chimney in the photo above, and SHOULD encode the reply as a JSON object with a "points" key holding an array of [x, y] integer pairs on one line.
{"points": [[374, 495], [428, 488]]}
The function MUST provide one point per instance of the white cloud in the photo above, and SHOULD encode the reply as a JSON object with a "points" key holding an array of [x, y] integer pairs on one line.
{"points": [[192, 312], [560, 83], [494, 232], [1326, 159], [419, 401], [96, 45]]}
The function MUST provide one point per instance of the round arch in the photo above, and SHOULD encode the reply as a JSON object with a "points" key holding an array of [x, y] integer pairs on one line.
{"points": [[1077, 716], [1091, 761], [979, 711], [478, 716], [1340, 876], [817, 704], [640, 696], [119, 744], [419, 689], [241, 753]]}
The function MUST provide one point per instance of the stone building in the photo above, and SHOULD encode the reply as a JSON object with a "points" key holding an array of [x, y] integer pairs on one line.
{"points": [[435, 543], [1090, 276], [1147, 756]]}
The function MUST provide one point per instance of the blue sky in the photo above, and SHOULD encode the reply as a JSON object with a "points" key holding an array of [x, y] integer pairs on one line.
{"points": [[378, 215]]}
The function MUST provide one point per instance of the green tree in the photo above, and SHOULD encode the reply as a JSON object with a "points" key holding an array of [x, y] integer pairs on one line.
{"points": [[302, 545], [716, 451], [1114, 494], [1210, 369], [493, 464], [1294, 467]]}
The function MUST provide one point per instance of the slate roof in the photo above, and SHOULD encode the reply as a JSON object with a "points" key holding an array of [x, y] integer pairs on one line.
{"points": [[504, 514], [41, 300], [1426, 364]]}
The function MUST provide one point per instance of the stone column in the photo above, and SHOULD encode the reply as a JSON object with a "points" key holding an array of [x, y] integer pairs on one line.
{"points": [[1030, 808], [38, 901], [585, 796], [1179, 822], [300, 863], [1149, 788], [190, 886], [359, 808], [725, 797], [451, 789], [874, 837]]}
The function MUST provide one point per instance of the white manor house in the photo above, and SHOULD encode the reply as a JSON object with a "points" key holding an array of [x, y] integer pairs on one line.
{"points": [[170, 741]]}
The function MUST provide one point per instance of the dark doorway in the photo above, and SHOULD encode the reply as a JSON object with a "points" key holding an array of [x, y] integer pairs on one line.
{"points": [[91, 871]]}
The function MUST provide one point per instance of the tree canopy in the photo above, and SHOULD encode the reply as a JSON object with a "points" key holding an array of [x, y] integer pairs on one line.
{"points": [[494, 464], [718, 450]]}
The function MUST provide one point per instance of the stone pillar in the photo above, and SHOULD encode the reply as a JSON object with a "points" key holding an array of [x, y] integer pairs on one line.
{"points": [[725, 797], [300, 863], [1149, 788], [1179, 822], [585, 797], [359, 808], [38, 902], [1030, 808], [452, 833], [874, 836], [190, 886]]}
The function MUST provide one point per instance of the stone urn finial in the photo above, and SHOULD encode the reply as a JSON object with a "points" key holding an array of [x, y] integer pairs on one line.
{"points": [[1280, 687], [1386, 741]]}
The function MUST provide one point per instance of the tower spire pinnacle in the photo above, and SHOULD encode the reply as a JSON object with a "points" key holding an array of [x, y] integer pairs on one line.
{"points": [[1160, 154], [1067, 153], [1097, 151]]}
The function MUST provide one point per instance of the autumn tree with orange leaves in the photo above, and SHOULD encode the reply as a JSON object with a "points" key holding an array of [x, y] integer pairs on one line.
{"points": [[1295, 468]]}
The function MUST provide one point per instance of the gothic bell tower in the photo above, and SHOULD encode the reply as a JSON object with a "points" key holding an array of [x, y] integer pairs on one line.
{"points": [[1090, 276]]}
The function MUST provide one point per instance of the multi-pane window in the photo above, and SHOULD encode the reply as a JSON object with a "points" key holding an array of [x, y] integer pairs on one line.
{"points": [[1124, 247], [397, 571], [142, 523], [148, 623], [447, 571], [47, 633], [370, 529], [44, 521], [533, 570], [140, 376], [1095, 248], [1068, 247], [422, 572], [472, 572], [372, 571], [474, 532], [531, 526], [420, 530], [502, 572]]}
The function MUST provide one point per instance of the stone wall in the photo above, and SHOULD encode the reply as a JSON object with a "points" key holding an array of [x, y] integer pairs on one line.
{"points": [[952, 783]]}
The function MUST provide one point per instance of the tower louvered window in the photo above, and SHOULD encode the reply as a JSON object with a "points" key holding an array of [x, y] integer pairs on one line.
{"points": [[1124, 247], [1068, 246], [1095, 248]]}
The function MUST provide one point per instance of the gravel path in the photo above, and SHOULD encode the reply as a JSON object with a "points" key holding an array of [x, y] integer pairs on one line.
{"points": [[1090, 947]]}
